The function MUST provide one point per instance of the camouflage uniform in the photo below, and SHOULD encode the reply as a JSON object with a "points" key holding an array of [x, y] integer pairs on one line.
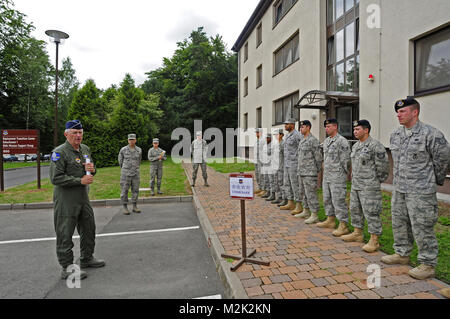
{"points": [[265, 160], [156, 166], [291, 165], [277, 168], [421, 156], [370, 167], [129, 161], [309, 166], [280, 172], [256, 160], [199, 151], [336, 153]]}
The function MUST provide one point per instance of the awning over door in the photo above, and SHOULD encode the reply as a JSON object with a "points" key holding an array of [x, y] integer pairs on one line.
{"points": [[317, 99]]}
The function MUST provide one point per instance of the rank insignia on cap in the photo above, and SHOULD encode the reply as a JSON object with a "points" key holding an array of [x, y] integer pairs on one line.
{"points": [[55, 156], [400, 103], [355, 123]]}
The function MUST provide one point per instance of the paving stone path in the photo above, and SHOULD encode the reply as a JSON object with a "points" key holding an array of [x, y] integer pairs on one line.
{"points": [[305, 260]]}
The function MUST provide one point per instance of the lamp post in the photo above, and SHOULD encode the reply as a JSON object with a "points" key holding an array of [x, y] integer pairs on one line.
{"points": [[58, 38]]}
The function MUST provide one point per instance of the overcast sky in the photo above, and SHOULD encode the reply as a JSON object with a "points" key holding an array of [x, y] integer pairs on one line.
{"points": [[109, 38]]}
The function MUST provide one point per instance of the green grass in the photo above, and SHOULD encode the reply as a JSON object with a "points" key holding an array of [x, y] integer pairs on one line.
{"points": [[106, 185], [234, 167], [442, 227], [10, 165]]}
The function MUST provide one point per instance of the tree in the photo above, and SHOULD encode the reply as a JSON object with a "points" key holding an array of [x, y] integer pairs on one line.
{"points": [[198, 82]]}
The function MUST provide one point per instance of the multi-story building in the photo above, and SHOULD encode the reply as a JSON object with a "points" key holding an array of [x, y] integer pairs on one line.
{"points": [[349, 59]]}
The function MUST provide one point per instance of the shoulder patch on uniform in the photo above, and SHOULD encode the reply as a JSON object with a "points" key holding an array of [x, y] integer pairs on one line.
{"points": [[381, 155], [55, 156]]}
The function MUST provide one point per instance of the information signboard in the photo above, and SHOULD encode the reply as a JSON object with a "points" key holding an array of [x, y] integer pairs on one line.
{"points": [[20, 141], [241, 186]]}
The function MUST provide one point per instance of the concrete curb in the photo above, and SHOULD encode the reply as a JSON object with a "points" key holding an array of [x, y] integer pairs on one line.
{"points": [[99, 202], [233, 285]]}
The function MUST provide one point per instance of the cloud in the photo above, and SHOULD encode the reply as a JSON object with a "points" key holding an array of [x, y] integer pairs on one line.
{"points": [[188, 21]]}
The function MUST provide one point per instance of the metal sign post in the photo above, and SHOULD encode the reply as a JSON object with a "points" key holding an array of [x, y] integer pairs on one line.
{"points": [[241, 187]]}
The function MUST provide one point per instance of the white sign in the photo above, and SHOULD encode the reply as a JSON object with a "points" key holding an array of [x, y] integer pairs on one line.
{"points": [[241, 186]]}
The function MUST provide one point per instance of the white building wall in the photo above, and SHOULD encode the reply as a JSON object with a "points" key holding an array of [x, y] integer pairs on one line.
{"points": [[388, 53]]}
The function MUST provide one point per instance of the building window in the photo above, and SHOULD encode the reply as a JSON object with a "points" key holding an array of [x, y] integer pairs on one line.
{"points": [[284, 108], [343, 45], [259, 117], [246, 86], [259, 76], [246, 52], [280, 9], [259, 35], [245, 121], [287, 54], [432, 62]]}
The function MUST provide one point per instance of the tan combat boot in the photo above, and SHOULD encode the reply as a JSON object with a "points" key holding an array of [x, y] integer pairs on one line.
{"points": [[328, 223], [341, 230], [306, 213], [422, 272], [357, 236], [262, 193], [290, 205], [312, 219], [372, 245], [395, 259], [298, 209]]}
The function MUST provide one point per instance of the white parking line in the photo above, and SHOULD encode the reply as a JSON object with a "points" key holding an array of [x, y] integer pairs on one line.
{"points": [[102, 235], [210, 297]]}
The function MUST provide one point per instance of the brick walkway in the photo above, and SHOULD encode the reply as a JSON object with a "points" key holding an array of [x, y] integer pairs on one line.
{"points": [[305, 261]]}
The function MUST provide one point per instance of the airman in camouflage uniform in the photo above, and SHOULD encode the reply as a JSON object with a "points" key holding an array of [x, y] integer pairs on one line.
{"points": [[256, 159], [370, 167], [199, 152], [309, 166], [278, 159], [156, 156], [71, 173], [421, 155], [129, 158], [266, 163], [290, 168], [336, 154]]}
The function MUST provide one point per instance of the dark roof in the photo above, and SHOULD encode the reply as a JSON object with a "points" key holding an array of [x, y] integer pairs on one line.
{"points": [[261, 8]]}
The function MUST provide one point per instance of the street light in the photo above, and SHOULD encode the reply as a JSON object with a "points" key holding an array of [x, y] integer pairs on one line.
{"points": [[57, 37]]}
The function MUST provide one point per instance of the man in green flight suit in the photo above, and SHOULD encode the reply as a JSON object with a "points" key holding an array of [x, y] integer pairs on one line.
{"points": [[71, 171]]}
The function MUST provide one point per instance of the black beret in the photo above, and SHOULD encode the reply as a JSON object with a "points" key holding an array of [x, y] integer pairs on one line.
{"points": [[405, 102], [330, 121], [74, 124], [363, 123], [305, 122]]}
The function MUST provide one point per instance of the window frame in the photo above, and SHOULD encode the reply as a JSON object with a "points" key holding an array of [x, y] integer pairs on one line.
{"points": [[246, 86], [259, 35], [439, 89], [259, 76], [294, 96], [281, 48], [284, 12], [245, 52]]}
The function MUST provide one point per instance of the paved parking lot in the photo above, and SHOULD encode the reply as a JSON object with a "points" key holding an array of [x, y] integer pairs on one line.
{"points": [[160, 253]]}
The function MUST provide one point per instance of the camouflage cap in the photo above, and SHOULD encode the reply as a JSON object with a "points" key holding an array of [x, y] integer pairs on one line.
{"points": [[156, 140], [131, 136]]}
